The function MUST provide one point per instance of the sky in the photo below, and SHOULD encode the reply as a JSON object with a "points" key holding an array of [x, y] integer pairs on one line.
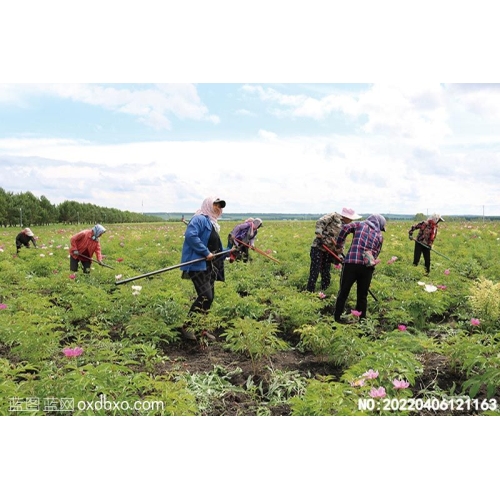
{"points": [[379, 146]]}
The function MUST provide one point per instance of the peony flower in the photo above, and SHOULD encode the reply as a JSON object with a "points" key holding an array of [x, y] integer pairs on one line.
{"points": [[475, 322], [401, 328], [42, 255], [441, 287], [378, 393], [136, 288], [370, 374], [118, 276], [400, 384], [338, 266], [446, 271], [72, 276], [430, 288], [119, 259], [420, 283], [356, 313], [3, 306], [72, 353], [321, 295]]}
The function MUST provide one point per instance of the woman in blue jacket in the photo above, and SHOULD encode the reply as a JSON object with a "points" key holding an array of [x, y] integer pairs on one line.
{"points": [[202, 240]]}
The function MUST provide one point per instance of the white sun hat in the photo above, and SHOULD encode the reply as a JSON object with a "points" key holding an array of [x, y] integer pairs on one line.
{"points": [[349, 213]]}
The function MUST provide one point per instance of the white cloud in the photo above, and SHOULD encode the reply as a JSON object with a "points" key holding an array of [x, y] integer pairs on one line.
{"points": [[280, 175], [152, 105], [266, 135], [406, 154]]}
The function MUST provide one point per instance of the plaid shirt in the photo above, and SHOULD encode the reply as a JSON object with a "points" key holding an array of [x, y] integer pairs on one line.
{"points": [[365, 238], [427, 232]]}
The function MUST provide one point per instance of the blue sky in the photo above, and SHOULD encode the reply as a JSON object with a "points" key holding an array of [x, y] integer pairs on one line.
{"points": [[390, 148], [404, 144]]}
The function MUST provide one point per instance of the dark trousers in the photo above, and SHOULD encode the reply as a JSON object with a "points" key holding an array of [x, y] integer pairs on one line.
{"points": [[73, 264], [426, 252], [362, 276], [321, 263], [204, 284]]}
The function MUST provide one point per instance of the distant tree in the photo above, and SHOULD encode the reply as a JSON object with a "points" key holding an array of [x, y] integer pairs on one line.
{"points": [[420, 216], [26, 209], [4, 205]]}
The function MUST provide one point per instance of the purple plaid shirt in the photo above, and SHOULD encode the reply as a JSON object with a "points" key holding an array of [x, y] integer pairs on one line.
{"points": [[366, 237]]}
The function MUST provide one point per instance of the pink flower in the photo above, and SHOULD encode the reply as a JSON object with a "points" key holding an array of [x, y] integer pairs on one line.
{"points": [[356, 313], [370, 374], [446, 271], [321, 295], [400, 384], [401, 328], [475, 322], [72, 353], [378, 393], [338, 266], [119, 259], [3, 306], [72, 276], [441, 287]]}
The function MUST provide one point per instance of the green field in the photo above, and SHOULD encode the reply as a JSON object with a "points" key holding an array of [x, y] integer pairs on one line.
{"points": [[275, 353]]}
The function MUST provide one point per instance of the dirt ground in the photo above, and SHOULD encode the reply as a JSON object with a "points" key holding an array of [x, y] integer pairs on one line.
{"points": [[201, 358]]}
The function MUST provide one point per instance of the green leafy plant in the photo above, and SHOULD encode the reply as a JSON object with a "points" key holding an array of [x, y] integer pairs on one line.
{"points": [[257, 339], [485, 299]]}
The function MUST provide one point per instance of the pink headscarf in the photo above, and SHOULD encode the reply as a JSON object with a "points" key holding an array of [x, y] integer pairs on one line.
{"points": [[207, 208]]}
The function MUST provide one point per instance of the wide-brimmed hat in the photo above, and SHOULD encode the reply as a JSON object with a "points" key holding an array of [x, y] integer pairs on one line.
{"points": [[257, 222], [28, 232], [349, 213]]}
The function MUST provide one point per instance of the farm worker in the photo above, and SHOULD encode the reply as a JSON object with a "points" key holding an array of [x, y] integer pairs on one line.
{"points": [[202, 241], [427, 232], [24, 238], [83, 246], [245, 232], [327, 229], [360, 261]]}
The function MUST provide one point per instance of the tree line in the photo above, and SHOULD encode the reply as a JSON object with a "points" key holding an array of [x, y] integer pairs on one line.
{"points": [[25, 209]]}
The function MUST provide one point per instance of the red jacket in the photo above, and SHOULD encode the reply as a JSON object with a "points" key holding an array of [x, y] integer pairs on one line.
{"points": [[85, 245]]}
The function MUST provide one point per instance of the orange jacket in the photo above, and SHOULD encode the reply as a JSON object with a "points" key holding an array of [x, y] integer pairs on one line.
{"points": [[85, 245]]}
